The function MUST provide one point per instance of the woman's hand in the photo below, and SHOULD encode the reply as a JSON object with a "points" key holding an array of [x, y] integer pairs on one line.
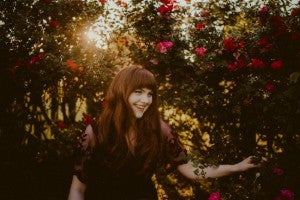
{"points": [[249, 163], [188, 169]]}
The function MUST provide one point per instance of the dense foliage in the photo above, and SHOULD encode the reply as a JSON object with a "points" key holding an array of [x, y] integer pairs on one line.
{"points": [[229, 85]]}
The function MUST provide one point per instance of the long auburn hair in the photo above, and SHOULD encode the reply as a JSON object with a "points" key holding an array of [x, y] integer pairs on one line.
{"points": [[117, 118]]}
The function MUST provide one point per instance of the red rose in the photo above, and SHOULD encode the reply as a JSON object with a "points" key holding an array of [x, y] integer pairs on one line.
{"points": [[54, 23], [200, 26], [72, 65], [166, 1], [270, 87], [257, 63], [164, 9], [262, 42], [277, 64], [294, 36], [241, 44], [278, 171], [263, 10], [276, 21], [61, 125], [295, 12], [229, 44], [35, 59], [231, 67], [240, 63], [87, 119]]}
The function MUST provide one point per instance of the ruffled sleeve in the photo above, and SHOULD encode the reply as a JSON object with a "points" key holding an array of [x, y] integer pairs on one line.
{"points": [[84, 150], [174, 150]]}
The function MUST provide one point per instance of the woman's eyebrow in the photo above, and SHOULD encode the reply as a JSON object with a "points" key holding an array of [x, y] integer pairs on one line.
{"points": [[144, 89]]}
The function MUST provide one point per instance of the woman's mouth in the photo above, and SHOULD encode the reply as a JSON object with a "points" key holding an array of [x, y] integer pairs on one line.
{"points": [[140, 108]]}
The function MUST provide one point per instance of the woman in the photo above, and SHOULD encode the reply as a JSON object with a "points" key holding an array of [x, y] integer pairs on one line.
{"points": [[129, 142]]}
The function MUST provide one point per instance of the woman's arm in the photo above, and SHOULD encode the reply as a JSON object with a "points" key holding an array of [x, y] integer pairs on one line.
{"points": [[189, 170], [77, 189], [87, 143]]}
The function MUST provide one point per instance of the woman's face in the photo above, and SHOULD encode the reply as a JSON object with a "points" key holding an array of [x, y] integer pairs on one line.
{"points": [[139, 101]]}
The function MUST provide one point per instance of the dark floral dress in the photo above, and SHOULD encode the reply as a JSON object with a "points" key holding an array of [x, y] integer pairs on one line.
{"points": [[105, 183]]}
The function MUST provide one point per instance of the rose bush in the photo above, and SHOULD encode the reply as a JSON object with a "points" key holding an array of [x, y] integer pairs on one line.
{"points": [[244, 84]]}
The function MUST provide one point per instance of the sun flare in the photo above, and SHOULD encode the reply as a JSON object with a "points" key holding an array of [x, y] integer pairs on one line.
{"points": [[92, 35]]}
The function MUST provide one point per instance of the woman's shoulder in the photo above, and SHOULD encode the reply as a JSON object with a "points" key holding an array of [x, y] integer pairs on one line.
{"points": [[88, 137], [166, 129]]}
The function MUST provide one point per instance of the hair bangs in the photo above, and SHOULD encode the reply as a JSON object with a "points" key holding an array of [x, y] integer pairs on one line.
{"points": [[143, 79]]}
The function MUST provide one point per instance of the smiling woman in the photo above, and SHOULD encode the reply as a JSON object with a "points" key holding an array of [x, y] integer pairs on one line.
{"points": [[129, 142]]}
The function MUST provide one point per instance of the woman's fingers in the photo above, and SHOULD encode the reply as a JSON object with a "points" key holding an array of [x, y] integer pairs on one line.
{"points": [[258, 160]]}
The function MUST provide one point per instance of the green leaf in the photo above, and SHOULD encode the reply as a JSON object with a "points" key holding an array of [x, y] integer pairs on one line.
{"points": [[294, 77]]}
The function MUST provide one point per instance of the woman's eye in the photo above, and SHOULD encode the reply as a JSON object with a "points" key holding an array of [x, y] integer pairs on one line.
{"points": [[150, 94], [138, 91]]}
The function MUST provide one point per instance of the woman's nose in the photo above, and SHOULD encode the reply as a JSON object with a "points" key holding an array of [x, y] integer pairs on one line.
{"points": [[145, 98]]}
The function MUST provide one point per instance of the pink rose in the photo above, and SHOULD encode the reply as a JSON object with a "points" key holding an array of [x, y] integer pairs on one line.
{"points": [[168, 44], [286, 194], [164, 46], [204, 13], [214, 196], [154, 61], [201, 51]]}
